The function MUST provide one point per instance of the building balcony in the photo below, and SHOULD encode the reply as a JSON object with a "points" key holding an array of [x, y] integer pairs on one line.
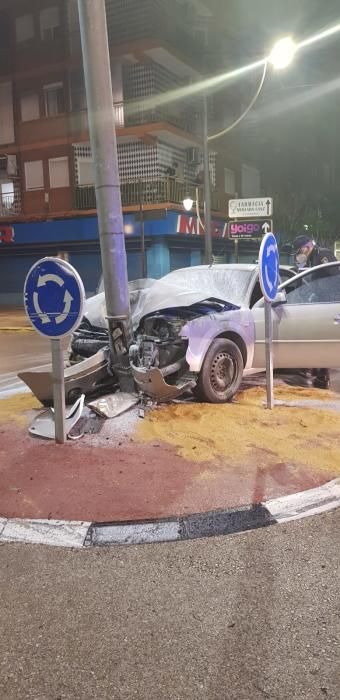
{"points": [[184, 120], [165, 190], [64, 127], [10, 205]]}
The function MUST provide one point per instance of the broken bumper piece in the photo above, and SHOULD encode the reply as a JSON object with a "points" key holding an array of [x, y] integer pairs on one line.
{"points": [[152, 383], [86, 377]]}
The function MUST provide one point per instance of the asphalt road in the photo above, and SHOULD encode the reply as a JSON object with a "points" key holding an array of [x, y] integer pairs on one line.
{"points": [[248, 617], [20, 351]]}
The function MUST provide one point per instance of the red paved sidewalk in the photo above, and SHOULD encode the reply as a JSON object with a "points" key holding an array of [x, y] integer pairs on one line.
{"points": [[131, 480]]}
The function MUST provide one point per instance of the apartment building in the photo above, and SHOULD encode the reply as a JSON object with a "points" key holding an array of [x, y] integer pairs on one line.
{"points": [[47, 199]]}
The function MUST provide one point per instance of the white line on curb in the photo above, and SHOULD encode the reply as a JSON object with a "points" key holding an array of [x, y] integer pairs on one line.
{"points": [[305, 503], [59, 533], [137, 533]]}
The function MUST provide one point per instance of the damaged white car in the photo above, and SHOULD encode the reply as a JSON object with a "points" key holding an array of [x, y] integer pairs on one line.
{"points": [[202, 328], [192, 330]]}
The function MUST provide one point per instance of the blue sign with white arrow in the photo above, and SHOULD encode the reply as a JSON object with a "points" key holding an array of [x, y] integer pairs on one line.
{"points": [[269, 267], [54, 297]]}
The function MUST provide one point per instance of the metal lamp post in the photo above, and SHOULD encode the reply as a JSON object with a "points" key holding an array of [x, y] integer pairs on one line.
{"points": [[96, 60]]}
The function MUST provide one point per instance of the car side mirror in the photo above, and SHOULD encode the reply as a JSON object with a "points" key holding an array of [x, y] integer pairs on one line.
{"points": [[281, 298]]}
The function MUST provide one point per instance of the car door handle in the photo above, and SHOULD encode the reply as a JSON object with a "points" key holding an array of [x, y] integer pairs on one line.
{"points": [[337, 319]]}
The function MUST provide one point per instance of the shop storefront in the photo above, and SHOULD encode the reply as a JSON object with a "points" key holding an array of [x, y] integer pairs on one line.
{"points": [[172, 240]]}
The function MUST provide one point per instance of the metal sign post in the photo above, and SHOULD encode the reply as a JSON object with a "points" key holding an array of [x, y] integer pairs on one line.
{"points": [[58, 391], [268, 321], [54, 300], [269, 280]]}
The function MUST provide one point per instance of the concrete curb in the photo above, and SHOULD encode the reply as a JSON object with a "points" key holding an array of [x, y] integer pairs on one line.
{"points": [[79, 534]]}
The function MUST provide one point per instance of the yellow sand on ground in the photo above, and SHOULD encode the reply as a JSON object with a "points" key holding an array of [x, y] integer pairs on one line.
{"points": [[238, 431], [256, 395], [15, 408]]}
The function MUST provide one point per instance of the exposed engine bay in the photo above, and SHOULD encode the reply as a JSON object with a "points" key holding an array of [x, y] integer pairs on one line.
{"points": [[158, 340]]}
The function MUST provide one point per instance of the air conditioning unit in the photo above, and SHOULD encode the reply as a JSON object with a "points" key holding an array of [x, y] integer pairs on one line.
{"points": [[193, 156]]}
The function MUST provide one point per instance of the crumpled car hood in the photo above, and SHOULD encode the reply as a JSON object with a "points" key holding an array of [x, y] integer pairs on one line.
{"points": [[182, 288], [95, 307]]}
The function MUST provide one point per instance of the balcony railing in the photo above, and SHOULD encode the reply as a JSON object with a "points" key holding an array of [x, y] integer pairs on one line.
{"points": [[162, 191], [10, 204], [135, 115], [79, 119]]}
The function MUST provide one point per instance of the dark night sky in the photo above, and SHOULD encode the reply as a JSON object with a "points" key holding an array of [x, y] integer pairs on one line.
{"points": [[251, 28], [269, 18]]}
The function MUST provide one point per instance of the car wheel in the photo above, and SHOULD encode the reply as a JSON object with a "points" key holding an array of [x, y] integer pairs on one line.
{"points": [[221, 373]]}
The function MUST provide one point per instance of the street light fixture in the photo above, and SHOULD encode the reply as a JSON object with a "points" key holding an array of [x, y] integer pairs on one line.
{"points": [[282, 53], [188, 203], [280, 57]]}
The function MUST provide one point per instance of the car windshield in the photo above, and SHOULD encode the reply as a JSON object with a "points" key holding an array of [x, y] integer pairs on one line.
{"points": [[227, 284]]}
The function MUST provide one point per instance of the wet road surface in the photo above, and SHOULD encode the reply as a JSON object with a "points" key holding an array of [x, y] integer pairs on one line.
{"points": [[19, 351]]}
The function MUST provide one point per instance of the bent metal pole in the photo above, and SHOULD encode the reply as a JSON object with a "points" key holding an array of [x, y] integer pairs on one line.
{"points": [[96, 61]]}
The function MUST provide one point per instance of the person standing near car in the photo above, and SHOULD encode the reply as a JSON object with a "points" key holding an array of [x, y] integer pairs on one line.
{"points": [[309, 254]]}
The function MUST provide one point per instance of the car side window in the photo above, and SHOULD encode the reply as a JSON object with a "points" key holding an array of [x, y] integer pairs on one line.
{"points": [[257, 294], [321, 286]]}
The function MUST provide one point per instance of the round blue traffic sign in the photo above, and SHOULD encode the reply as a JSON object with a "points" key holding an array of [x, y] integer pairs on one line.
{"points": [[54, 297], [269, 267]]}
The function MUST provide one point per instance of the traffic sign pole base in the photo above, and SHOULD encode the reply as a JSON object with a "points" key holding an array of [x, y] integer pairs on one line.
{"points": [[58, 391]]}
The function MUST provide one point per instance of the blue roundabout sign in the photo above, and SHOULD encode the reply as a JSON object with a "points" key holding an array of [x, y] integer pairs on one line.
{"points": [[269, 267], [54, 297]]}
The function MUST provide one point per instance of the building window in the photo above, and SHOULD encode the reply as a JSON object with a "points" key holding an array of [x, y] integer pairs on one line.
{"points": [[59, 172], [229, 181], [49, 23], [29, 104], [24, 28], [6, 113], [54, 98], [85, 171], [34, 175], [251, 181], [7, 194]]}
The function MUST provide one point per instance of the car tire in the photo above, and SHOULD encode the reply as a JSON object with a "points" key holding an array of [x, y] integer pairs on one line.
{"points": [[221, 373]]}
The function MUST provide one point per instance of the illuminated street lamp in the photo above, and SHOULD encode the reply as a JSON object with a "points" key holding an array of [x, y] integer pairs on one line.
{"points": [[282, 53], [188, 203], [280, 57]]}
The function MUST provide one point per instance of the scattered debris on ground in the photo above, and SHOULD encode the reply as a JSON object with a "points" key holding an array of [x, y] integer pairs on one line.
{"points": [[43, 425], [113, 405]]}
